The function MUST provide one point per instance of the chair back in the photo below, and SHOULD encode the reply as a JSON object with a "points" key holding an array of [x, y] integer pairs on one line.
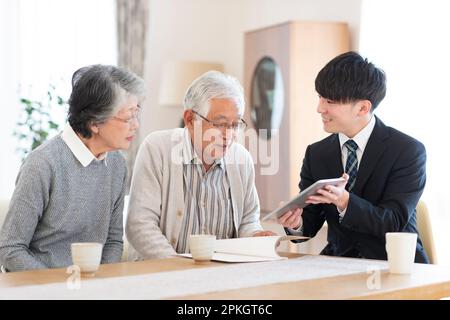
{"points": [[425, 231]]}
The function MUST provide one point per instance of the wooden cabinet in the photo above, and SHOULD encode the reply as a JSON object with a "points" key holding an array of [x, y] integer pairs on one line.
{"points": [[280, 66]]}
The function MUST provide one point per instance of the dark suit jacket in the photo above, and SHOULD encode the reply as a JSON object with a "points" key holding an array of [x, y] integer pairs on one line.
{"points": [[391, 178]]}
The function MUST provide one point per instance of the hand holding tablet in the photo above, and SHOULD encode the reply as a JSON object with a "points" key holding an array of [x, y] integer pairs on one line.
{"points": [[300, 200]]}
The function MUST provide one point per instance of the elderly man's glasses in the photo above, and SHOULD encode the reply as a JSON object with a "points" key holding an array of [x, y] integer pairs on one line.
{"points": [[239, 125], [134, 116]]}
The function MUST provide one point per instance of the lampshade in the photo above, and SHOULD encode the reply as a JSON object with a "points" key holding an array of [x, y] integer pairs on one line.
{"points": [[176, 78]]}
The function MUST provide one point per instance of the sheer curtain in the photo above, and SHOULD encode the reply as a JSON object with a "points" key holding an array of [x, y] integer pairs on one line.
{"points": [[409, 40], [9, 161], [132, 23], [44, 42], [58, 37]]}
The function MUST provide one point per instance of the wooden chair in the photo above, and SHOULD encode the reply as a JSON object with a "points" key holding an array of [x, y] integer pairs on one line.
{"points": [[425, 231]]}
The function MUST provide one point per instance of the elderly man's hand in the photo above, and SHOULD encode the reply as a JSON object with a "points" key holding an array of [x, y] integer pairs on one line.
{"points": [[264, 233]]}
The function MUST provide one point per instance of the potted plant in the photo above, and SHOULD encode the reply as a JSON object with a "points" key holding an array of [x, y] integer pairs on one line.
{"points": [[38, 122]]}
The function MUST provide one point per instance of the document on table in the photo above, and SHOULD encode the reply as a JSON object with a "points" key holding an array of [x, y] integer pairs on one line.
{"points": [[251, 249]]}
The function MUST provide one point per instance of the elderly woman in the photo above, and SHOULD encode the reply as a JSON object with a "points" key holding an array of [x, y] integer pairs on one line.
{"points": [[71, 189]]}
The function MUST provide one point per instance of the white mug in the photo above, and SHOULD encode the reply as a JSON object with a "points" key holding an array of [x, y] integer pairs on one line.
{"points": [[401, 251], [202, 247], [87, 256]]}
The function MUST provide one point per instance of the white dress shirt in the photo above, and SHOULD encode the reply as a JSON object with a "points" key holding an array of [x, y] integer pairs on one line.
{"points": [[361, 139], [79, 149]]}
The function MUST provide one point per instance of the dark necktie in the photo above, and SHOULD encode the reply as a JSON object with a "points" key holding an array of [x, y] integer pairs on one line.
{"points": [[351, 166]]}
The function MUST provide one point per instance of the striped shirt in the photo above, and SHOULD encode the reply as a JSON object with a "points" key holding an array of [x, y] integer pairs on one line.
{"points": [[208, 208]]}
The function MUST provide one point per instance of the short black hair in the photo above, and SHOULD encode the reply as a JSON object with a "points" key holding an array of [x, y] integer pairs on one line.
{"points": [[96, 92], [349, 77]]}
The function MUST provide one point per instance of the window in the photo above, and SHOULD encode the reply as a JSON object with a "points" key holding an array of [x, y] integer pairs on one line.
{"points": [[43, 43], [407, 40]]}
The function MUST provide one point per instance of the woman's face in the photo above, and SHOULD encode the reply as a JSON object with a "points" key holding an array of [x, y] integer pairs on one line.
{"points": [[117, 132]]}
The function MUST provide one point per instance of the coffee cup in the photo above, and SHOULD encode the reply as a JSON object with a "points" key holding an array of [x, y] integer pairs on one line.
{"points": [[202, 247], [87, 256], [401, 251]]}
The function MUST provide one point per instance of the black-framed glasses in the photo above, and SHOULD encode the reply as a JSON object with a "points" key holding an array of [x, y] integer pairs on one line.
{"points": [[134, 116], [239, 125]]}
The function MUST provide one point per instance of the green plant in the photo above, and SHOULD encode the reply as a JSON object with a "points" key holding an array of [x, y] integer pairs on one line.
{"points": [[38, 122]]}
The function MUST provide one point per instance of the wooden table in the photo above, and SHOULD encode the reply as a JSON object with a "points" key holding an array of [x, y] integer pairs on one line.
{"points": [[426, 282]]}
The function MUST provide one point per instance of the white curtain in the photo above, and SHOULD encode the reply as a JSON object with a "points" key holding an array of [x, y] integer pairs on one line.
{"points": [[58, 37], [132, 23], [9, 34], [43, 42], [409, 40]]}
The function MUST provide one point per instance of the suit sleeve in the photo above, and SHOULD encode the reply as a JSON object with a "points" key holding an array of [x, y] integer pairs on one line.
{"points": [[313, 215], [397, 205]]}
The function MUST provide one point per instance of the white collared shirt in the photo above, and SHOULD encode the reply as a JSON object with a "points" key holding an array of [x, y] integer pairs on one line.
{"points": [[79, 149], [361, 139]]}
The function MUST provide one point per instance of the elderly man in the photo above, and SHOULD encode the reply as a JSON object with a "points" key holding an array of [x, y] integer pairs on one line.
{"points": [[194, 180]]}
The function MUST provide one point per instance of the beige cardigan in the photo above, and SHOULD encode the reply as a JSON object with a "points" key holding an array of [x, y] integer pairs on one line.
{"points": [[156, 206]]}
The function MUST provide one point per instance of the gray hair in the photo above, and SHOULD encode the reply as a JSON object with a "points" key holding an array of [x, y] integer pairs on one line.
{"points": [[210, 85], [97, 91]]}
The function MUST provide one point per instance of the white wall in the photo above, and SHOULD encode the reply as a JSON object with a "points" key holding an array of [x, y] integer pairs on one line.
{"points": [[213, 30]]}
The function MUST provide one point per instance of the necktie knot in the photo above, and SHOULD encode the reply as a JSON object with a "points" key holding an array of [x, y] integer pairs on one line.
{"points": [[351, 145]]}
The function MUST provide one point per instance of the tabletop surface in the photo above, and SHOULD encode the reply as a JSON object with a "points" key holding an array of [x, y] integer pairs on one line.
{"points": [[425, 282]]}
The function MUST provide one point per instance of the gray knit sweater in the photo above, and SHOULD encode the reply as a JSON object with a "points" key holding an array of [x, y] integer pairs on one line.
{"points": [[57, 201]]}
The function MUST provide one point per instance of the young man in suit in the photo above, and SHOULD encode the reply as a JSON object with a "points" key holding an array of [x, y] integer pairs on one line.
{"points": [[384, 169]]}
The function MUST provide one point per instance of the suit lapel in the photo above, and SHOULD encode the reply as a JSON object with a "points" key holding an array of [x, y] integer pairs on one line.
{"points": [[374, 150], [333, 158]]}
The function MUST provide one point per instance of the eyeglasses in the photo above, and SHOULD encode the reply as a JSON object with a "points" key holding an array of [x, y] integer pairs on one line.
{"points": [[239, 125], [134, 116]]}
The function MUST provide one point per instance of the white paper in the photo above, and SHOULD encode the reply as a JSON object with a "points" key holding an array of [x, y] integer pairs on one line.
{"points": [[228, 257], [251, 249]]}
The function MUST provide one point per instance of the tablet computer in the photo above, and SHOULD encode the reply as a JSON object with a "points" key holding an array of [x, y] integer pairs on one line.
{"points": [[300, 200]]}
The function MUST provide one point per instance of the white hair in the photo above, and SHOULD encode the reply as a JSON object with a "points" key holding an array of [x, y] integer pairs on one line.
{"points": [[213, 85]]}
